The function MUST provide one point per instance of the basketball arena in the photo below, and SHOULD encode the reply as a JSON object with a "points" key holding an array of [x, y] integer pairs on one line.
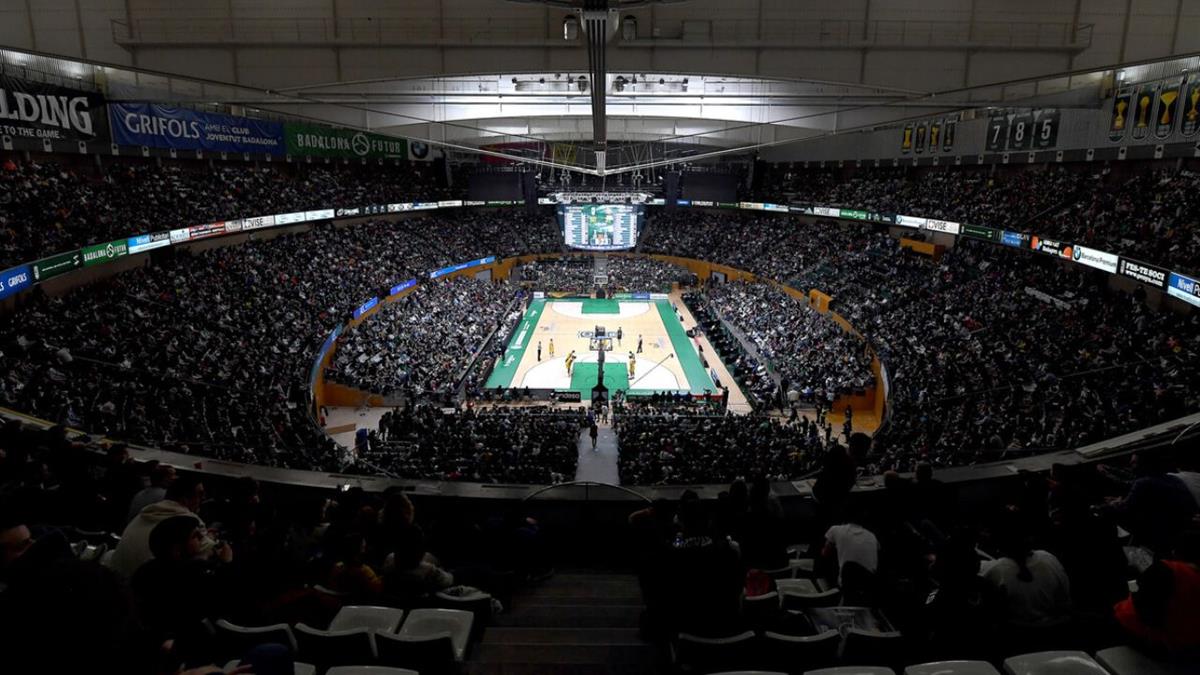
{"points": [[510, 337]]}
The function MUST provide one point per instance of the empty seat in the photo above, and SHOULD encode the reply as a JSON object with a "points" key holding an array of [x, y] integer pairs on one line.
{"points": [[1129, 661], [784, 572], [799, 601], [327, 648], [369, 670], [378, 619], [852, 670], [233, 641], [428, 655], [479, 604], [437, 621], [791, 652], [760, 610], [1053, 663], [873, 648], [298, 668], [952, 668], [695, 654]]}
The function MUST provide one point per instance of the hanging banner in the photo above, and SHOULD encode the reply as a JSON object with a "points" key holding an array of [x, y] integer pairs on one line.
{"points": [[997, 132], [948, 135], [38, 110], [1143, 113], [919, 143], [1119, 118], [1168, 106], [160, 126], [311, 140], [935, 135], [1191, 108], [1045, 129], [906, 142]]}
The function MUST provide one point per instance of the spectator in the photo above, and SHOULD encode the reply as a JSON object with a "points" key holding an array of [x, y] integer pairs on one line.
{"points": [[161, 477], [182, 498]]}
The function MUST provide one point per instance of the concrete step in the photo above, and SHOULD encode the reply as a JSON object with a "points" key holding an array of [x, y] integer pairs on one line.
{"points": [[532, 615], [566, 589]]}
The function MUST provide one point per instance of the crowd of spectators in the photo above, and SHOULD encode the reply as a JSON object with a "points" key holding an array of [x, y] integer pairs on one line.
{"points": [[485, 444], [424, 340], [97, 577], [975, 374], [54, 206], [643, 274], [568, 274], [210, 353], [810, 354], [1146, 213]]}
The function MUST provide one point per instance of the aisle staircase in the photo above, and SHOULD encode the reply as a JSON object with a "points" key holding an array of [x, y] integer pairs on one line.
{"points": [[600, 270], [584, 623]]}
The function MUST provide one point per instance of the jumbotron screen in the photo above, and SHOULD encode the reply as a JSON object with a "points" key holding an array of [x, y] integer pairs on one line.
{"points": [[600, 227]]}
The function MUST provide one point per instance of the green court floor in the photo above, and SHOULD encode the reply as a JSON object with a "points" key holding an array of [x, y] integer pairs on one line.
{"points": [[593, 306], [697, 377], [583, 377]]}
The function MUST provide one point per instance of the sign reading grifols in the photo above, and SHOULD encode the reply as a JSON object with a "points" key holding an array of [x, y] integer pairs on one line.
{"points": [[1143, 272], [1091, 257], [160, 126], [15, 280], [37, 110]]}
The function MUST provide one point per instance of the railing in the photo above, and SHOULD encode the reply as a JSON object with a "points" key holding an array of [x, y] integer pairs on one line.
{"points": [[587, 486], [364, 31]]}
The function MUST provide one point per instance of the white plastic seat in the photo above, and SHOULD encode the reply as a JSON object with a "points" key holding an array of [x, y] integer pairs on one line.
{"points": [[328, 648], [786, 651], [1129, 661], [369, 670], [426, 622], [378, 619], [797, 586], [298, 668], [800, 601], [852, 670], [1053, 663], [695, 654], [237, 640], [952, 668]]}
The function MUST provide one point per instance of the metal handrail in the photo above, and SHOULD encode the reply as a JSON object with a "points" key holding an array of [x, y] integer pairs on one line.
{"points": [[586, 484]]}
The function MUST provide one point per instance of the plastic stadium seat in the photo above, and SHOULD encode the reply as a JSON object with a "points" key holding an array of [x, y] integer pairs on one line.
{"points": [[428, 655], [788, 652], [478, 604], [377, 619], [952, 668], [852, 670], [797, 586], [799, 601], [695, 654], [758, 610], [872, 648], [1129, 661], [369, 670], [298, 668], [328, 648], [1053, 663], [432, 622], [804, 567], [785, 572], [233, 641]]}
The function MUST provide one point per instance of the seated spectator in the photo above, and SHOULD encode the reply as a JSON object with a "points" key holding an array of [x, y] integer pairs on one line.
{"points": [[161, 477], [1158, 505], [182, 498], [350, 574], [962, 613], [855, 550], [1163, 615], [1036, 590], [701, 575]]}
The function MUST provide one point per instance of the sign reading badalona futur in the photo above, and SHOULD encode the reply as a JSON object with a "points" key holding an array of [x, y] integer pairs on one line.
{"points": [[317, 141], [103, 253]]}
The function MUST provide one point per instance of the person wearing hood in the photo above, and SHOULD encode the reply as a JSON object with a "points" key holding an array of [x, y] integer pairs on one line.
{"points": [[183, 498]]}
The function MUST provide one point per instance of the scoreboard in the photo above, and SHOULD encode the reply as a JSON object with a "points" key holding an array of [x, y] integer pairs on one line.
{"points": [[600, 227]]}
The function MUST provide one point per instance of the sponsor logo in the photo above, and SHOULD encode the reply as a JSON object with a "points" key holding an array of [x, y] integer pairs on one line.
{"points": [[102, 253], [418, 150], [1184, 288], [56, 265], [180, 235], [396, 208], [853, 214], [146, 242], [1095, 258], [342, 213], [980, 232], [400, 288], [826, 212], [15, 280], [289, 218], [1050, 247], [1143, 273], [322, 214], [365, 307], [1015, 239], [258, 222], [910, 221]]}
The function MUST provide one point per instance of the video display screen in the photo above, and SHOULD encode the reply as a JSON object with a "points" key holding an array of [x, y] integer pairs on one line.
{"points": [[601, 227]]}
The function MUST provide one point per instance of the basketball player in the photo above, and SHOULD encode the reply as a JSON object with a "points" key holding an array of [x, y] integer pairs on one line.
{"points": [[632, 363], [639, 344], [570, 361], [539, 351], [551, 347], [620, 333]]}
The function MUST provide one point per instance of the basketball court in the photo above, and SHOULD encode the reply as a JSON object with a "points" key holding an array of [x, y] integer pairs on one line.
{"points": [[668, 361]]}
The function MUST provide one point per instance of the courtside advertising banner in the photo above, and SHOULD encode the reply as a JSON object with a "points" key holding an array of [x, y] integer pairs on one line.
{"points": [[910, 221], [258, 222], [365, 307], [180, 235], [1050, 247], [14, 280], [980, 232], [38, 110], [147, 242], [400, 288], [1186, 289], [942, 226], [1014, 239], [48, 268], [206, 230], [289, 218], [1144, 273], [104, 253], [1095, 258], [160, 126], [309, 140], [321, 214]]}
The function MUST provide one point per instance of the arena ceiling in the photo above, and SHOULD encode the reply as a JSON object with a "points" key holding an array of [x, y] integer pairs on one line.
{"points": [[665, 80]]}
